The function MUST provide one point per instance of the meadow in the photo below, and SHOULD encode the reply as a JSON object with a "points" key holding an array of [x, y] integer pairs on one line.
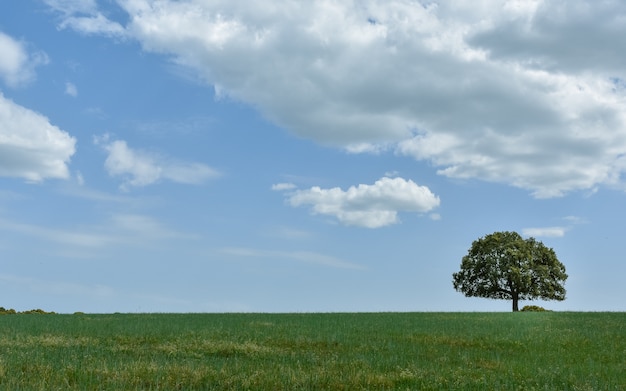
{"points": [[337, 351]]}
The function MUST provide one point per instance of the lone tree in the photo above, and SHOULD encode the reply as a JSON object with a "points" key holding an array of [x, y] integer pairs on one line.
{"points": [[503, 265]]}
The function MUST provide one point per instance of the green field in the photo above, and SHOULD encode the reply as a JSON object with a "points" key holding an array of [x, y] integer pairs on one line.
{"points": [[360, 351]]}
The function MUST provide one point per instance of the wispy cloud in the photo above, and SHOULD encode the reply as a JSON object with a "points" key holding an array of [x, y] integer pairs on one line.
{"points": [[58, 287], [71, 90], [283, 186], [80, 190], [435, 216], [547, 232], [118, 230], [288, 233], [141, 168], [575, 220], [78, 237], [555, 231], [146, 227], [298, 256], [95, 24], [84, 16], [70, 7]]}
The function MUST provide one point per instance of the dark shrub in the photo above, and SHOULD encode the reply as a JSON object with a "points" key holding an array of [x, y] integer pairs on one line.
{"points": [[533, 308], [37, 311]]}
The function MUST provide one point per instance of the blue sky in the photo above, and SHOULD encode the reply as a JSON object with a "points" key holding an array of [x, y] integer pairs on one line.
{"points": [[217, 156]]}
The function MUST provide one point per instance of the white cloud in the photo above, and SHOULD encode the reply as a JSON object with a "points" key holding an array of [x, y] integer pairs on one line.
{"points": [[84, 16], [96, 24], [17, 66], [30, 146], [548, 232], [70, 89], [370, 206], [526, 93], [141, 168], [138, 168]]}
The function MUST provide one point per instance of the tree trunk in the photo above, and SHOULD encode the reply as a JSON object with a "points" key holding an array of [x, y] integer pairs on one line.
{"points": [[515, 300]]}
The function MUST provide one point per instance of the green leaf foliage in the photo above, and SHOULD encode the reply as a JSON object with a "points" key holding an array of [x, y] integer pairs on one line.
{"points": [[503, 265]]}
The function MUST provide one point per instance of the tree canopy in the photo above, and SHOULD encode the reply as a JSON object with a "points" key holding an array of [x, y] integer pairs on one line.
{"points": [[503, 265]]}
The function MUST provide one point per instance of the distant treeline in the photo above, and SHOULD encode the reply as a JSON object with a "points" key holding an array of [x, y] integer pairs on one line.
{"points": [[11, 311]]}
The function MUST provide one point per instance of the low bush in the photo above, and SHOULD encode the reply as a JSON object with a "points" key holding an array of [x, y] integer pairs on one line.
{"points": [[37, 311], [533, 308]]}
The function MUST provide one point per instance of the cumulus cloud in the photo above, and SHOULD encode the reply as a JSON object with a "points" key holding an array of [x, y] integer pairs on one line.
{"points": [[17, 65], [526, 93], [370, 206], [30, 146], [141, 168]]}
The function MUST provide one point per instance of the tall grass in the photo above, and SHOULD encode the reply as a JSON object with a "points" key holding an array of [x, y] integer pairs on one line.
{"points": [[363, 351]]}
